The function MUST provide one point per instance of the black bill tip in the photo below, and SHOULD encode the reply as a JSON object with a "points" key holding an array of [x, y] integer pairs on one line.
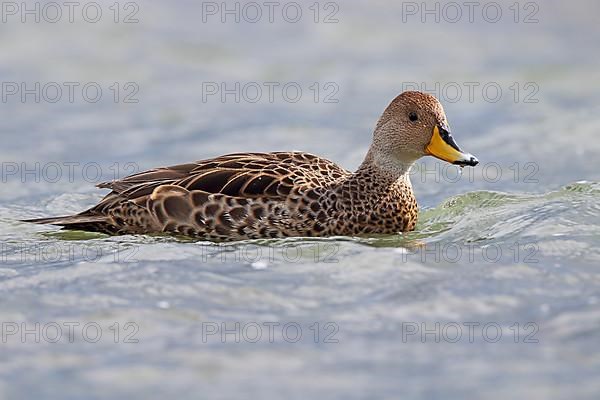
{"points": [[471, 161]]}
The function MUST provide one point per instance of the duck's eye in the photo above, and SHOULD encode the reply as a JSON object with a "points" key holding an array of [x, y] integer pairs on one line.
{"points": [[413, 116]]}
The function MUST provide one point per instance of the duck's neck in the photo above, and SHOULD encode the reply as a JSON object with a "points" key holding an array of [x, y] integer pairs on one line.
{"points": [[384, 170]]}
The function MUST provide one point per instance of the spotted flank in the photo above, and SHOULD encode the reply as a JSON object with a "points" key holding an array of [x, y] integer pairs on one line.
{"points": [[275, 195]]}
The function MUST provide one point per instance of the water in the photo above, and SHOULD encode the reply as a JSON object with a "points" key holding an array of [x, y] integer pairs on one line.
{"points": [[510, 247]]}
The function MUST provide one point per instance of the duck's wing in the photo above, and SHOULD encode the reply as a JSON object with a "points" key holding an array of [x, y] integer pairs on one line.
{"points": [[242, 175], [233, 196]]}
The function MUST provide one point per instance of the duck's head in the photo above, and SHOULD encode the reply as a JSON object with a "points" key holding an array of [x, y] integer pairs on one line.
{"points": [[412, 126]]}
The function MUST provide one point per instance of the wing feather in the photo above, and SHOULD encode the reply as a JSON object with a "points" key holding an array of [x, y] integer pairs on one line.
{"points": [[242, 175]]}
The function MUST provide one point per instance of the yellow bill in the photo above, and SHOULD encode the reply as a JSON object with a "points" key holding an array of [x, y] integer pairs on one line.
{"points": [[443, 146]]}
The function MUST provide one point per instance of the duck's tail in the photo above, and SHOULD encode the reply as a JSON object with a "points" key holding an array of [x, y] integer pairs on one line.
{"points": [[84, 222]]}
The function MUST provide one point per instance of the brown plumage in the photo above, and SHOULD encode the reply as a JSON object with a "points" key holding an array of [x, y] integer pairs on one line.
{"points": [[282, 194]]}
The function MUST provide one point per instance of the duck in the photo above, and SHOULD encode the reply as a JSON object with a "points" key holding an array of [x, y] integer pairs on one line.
{"points": [[245, 196]]}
